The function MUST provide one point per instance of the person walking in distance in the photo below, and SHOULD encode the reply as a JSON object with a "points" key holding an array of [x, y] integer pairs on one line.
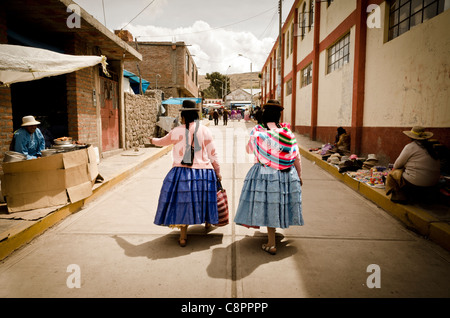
{"points": [[189, 191], [216, 117], [225, 116], [272, 192]]}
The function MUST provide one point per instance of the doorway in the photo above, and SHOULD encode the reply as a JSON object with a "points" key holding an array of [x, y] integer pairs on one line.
{"points": [[109, 112]]}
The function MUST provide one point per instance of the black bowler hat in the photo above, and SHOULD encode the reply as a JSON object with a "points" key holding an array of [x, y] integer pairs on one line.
{"points": [[188, 105], [273, 102]]}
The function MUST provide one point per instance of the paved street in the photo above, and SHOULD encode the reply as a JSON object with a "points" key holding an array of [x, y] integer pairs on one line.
{"points": [[348, 247]]}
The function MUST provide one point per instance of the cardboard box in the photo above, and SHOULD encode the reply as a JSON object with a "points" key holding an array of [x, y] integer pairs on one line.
{"points": [[49, 181]]}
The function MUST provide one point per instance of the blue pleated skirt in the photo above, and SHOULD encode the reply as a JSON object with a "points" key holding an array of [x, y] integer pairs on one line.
{"points": [[188, 196], [270, 198]]}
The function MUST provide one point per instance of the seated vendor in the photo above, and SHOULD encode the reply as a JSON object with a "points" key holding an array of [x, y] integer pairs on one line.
{"points": [[342, 142], [341, 145], [416, 169], [28, 139]]}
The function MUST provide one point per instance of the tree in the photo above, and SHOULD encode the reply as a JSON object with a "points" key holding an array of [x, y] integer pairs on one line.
{"points": [[220, 83], [210, 93]]}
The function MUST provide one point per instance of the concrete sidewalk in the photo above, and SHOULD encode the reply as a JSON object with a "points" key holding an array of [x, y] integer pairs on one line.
{"points": [[19, 228], [120, 252], [431, 222]]}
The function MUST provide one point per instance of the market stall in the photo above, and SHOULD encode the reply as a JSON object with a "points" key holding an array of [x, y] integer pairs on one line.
{"points": [[21, 63], [65, 173], [67, 170], [365, 170]]}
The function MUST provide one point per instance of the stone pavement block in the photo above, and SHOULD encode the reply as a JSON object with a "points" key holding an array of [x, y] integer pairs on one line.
{"points": [[118, 266], [320, 267], [121, 253]]}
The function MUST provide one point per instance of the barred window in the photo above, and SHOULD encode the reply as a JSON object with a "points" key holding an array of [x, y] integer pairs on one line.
{"points": [[306, 76], [311, 15], [289, 87], [287, 40], [302, 19], [292, 38], [404, 14], [339, 53]]}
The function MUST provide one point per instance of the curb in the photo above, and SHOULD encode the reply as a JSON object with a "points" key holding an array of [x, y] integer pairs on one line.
{"points": [[412, 217], [22, 234]]}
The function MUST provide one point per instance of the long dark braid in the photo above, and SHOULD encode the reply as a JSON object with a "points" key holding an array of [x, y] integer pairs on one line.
{"points": [[428, 146], [271, 114], [189, 117]]}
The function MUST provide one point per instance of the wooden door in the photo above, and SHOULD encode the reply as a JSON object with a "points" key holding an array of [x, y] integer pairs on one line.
{"points": [[109, 113]]}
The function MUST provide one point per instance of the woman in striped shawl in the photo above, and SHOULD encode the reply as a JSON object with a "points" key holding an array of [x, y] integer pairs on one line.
{"points": [[271, 195]]}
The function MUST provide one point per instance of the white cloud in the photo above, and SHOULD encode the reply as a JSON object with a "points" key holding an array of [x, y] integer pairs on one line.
{"points": [[214, 50], [247, 23]]}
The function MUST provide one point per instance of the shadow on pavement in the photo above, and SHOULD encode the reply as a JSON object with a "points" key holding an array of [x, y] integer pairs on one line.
{"points": [[248, 256], [167, 246]]}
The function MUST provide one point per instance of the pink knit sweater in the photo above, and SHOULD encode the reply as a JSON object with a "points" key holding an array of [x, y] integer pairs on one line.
{"points": [[206, 158]]}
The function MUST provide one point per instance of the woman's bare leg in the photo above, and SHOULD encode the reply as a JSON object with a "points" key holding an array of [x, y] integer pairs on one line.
{"points": [[183, 235], [270, 246], [271, 236]]}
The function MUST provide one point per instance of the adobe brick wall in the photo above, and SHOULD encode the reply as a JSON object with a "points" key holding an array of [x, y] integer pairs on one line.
{"points": [[81, 111], [169, 61]]}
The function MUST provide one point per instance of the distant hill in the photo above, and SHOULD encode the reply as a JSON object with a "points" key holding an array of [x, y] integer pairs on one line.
{"points": [[241, 80]]}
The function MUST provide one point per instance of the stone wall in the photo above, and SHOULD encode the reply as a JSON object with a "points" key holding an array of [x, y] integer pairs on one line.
{"points": [[173, 111], [141, 113]]}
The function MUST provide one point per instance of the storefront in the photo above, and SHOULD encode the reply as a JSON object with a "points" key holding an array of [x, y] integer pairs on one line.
{"points": [[84, 104]]}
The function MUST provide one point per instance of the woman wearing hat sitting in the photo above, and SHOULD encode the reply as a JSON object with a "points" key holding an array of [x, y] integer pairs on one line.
{"points": [[189, 191], [416, 169], [271, 195], [28, 139]]}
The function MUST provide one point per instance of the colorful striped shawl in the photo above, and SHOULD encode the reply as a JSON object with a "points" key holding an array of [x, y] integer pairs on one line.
{"points": [[274, 148]]}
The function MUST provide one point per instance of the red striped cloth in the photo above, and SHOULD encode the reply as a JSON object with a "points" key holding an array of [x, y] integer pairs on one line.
{"points": [[275, 148], [222, 206]]}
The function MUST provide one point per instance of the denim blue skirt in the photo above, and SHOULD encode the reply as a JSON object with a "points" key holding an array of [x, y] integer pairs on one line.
{"points": [[188, 196], [270, 198]]}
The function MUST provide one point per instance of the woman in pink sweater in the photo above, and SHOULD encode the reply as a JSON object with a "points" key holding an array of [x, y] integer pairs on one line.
{"points": [[189, 191]]}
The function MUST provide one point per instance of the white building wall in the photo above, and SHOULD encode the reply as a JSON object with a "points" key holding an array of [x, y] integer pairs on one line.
{"points": [[287, 104], [407, 79], [336, 90], [332, 16], [305, 45], [288, 60], [303, 101]]}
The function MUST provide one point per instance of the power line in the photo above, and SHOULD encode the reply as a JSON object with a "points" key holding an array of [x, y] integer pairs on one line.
{"points": [[211, 29], [138, 14], [104, 15], [270, 23]]}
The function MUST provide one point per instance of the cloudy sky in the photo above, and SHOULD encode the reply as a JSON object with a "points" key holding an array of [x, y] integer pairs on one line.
{"points": [[216, 30]]}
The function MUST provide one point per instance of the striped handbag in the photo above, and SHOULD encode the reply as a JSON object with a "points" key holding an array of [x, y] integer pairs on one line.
{"points": [[222, 204]]}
